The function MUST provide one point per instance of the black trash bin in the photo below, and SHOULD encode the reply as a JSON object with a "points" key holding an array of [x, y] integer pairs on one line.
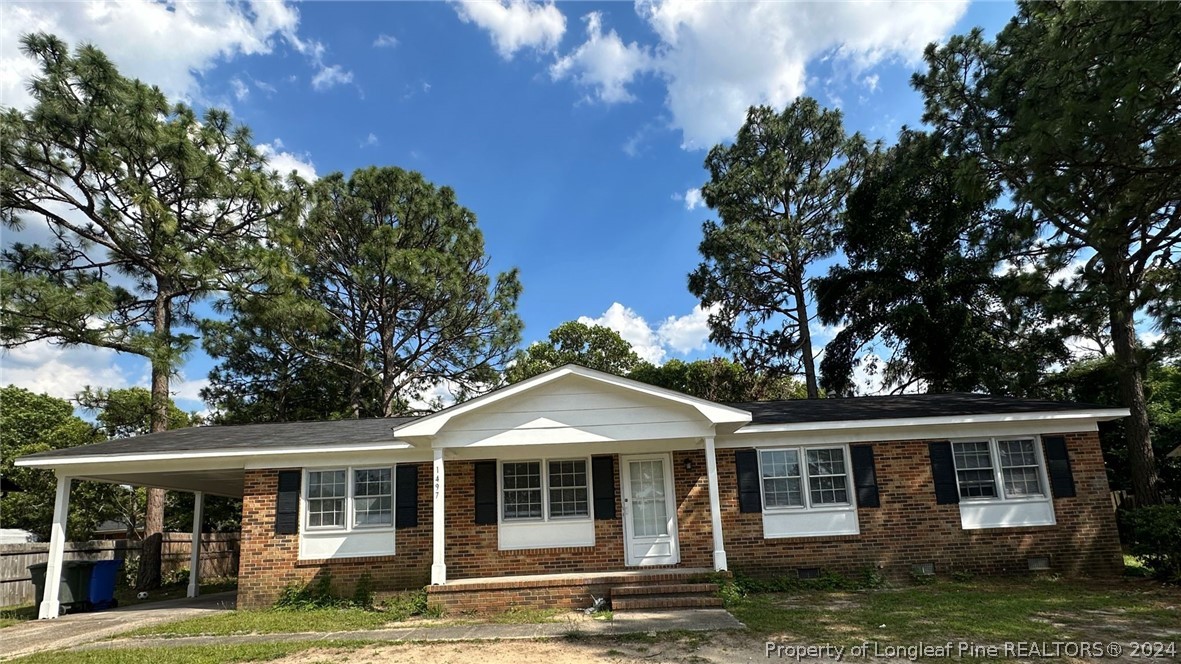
{"points": [[74, 594]]}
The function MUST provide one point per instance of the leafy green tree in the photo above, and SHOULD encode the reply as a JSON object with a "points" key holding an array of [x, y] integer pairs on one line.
{"points": [[572, 342], [150, 207], [931, 277], [1074, 107], [389, 284], [779, 191], [32, 423], [1097, 381], [261, 378], [719, 379]]}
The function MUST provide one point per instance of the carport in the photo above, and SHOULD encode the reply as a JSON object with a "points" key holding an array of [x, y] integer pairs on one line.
{"points": [[200, 460]]}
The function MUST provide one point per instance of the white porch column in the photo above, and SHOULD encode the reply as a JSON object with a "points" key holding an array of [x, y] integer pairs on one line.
{"points": [[715, 508], [50, 605], [438, 510], [195, 556]]}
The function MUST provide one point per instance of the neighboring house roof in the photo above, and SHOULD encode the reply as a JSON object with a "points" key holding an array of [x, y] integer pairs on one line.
{"points": [[899, 406], [390, 433], [1176, 453]]}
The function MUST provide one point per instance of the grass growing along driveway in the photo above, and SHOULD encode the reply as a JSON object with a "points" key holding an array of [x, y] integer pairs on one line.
{"points": [[985, 611]]}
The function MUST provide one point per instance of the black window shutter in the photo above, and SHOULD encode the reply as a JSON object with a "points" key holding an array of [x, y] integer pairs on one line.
{"points": [[865, 477], [485, 492], [750, 498], [943, 470], [287, 502], [1058, 466], [603, 477], [406, 502]]}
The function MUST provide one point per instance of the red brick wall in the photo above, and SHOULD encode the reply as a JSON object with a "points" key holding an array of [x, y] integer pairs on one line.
{"points": [[911, 528], [271, 562], [908, 528]]}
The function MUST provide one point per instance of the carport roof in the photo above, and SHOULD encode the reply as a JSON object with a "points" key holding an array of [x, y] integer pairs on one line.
{"points": [[262, 437]]}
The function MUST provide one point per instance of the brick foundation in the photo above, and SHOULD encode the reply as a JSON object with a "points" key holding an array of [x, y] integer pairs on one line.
{"points": [[908, 528]]}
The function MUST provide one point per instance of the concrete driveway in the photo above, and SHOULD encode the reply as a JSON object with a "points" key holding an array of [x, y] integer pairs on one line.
{"points": [[76, 629]]}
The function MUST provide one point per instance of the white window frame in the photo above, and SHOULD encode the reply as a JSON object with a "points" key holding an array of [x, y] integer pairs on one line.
{"points": [[350, 517], [805, 479], [545, 487], [998, 476]]}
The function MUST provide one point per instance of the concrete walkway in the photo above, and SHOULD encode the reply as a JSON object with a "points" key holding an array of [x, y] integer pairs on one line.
{"points": [[697, 620], [76, 629]]}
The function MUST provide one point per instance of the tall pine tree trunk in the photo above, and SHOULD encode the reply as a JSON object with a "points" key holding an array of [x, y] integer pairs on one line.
{"points": [[806, 356], [1141, 459], [150, 556]]}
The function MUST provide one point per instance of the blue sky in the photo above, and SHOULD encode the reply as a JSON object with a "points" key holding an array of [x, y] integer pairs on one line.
{"points": [[576, 132]]}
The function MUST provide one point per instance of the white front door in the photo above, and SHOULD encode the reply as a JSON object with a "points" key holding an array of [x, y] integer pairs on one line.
{"points": [[649, 510]]}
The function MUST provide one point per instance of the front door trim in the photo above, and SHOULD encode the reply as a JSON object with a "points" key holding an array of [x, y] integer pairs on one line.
{"points": [[670, 542]]}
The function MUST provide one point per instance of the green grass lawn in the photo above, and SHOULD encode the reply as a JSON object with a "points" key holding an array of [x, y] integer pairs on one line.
{"points": [[993, 610], [269, 622]]}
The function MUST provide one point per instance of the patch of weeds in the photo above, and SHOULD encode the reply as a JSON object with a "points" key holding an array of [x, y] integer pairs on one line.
{"points": [[962, 576], [615, 653], [363, 592], [1134, 567], [402, 606], [522, 615], [606, 614], [868, 578], [922, 579]]}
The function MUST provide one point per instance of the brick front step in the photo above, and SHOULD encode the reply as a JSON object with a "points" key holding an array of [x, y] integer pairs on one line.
{"points": [[664, 589], [665, 602]]}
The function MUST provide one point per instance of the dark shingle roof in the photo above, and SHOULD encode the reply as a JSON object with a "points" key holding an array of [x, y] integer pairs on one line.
{"points": [[243, 436], [898, 406], [376, 430]]}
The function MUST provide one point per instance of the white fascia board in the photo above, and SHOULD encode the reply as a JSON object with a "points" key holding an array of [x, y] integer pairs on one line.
{"points": [[716, 413], [1101, 415], [59, 462]]}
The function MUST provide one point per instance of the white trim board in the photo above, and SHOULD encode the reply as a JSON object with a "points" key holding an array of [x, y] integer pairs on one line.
{"points": [[1098, 415], [870, 432]]}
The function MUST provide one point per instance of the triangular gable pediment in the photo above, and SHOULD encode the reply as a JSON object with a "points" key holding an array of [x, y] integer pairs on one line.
{"points": [[574, 404]]}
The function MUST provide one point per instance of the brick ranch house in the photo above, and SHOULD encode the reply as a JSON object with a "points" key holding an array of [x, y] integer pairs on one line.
{"points": [[576, 481]]}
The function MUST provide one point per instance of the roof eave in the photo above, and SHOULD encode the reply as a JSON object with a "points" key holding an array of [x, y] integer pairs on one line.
{"points": [[1097, 415]]}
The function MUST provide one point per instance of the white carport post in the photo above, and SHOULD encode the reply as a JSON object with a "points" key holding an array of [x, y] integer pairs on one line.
{"points": [[50, 606], [195, 555], [439, 522], [715, 508]]}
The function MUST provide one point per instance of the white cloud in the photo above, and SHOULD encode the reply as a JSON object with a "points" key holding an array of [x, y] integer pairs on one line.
{"points": [[370, 140], [633, 328], [285, 162], [241, 90], [385, 41], [688, 333], [515, 24], [719, 58], [60, 371], [693, 199], [171, 45], [603, 62], [186, 389], [682, 334], [330, 76], [871, 82]]}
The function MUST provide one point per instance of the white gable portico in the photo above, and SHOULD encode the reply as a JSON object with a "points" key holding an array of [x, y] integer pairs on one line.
{"points": [[565, 416]]}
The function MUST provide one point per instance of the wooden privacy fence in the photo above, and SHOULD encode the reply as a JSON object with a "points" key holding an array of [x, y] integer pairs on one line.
{"points": [[219, 558]]}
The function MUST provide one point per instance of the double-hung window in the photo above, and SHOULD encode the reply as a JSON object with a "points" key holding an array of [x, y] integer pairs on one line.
{"points": [[545, 489], [350, 498], [999, 469], [808, 477]]}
